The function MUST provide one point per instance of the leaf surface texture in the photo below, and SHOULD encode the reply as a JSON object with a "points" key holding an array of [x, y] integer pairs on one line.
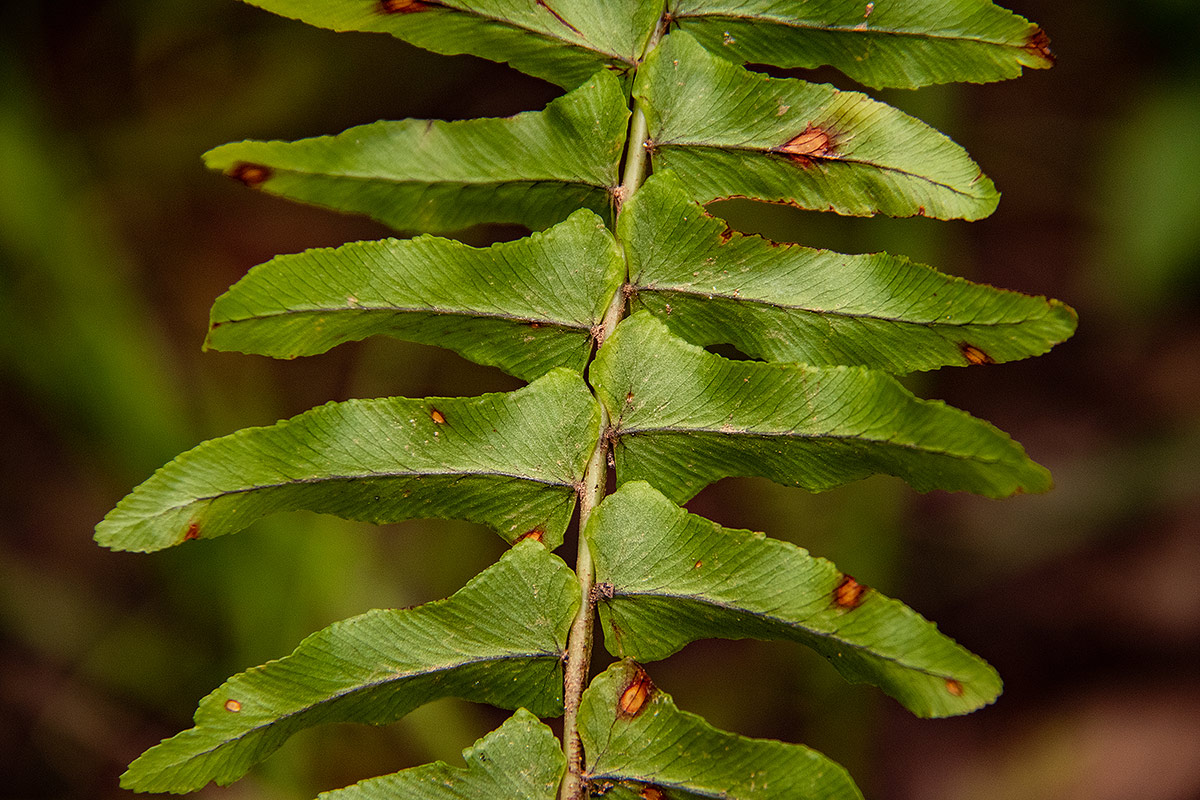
{"points": [[511, 461], [785, 302], [498, 640], [562, 41], [676, 577], [531, 169], [729, 132], [670, 749], [684, 418], [882, 44], [520, 759], [526, 306]]}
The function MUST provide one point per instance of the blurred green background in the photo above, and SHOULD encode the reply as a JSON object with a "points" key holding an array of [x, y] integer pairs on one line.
{"points": [[114, 241]]}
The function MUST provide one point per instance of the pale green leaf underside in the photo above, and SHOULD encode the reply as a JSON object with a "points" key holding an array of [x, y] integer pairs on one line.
{"points": [[522, 760], [684, 418], [883, 44], [672, 749], [677, 577], [723, 130], [498, 640], [562, 41], [532, 169], [511, 461], [792, 303], [526, 306]]}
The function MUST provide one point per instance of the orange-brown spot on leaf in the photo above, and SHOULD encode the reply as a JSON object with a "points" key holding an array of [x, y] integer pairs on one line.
{"points": [[652, 793], [251, 175], [635, 694], [974, 355], [814, 142], [848, 593], [1039, 45], [726, 235], [233, 706], [404, 6], [536, 534], [954, 687], [192, 532], [437, 416], [535, 325]]}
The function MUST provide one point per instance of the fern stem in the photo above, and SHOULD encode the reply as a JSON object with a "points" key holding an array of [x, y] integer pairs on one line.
{"points": [[579, 643]]}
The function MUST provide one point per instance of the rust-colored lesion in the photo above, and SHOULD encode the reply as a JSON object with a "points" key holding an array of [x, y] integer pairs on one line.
{"points": [[437, 416], [252, 175], [954, 687], [814, 142], [974, 355], [192, 532], [1039, 45], [652, 792], [406, 6], [537, 534], [635, 694], [848, 594]]}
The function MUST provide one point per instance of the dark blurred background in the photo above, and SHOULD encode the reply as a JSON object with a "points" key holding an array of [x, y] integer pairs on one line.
{"points": [[114, 241]]}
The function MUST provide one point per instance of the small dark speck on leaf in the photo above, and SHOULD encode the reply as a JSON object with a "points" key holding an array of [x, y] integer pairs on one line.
{"points": [[251, 175], [404, 6], [974, 355], [848, 593], [1039, 44], [634, 696]]}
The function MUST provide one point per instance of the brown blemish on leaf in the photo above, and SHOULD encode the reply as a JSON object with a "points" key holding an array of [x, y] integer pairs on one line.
{"points": [[601, 591], [437, 416], [536, 534], [726, 235], [635, 694], [954, 687], [848, 593], [252, 175], [233, 706], [974, 355], [192, 532], [814, 142], [405, 6], [652, 793], [535, 325], [1039, 45]]}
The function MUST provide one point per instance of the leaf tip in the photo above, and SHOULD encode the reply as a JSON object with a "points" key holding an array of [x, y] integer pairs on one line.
{"points": [[1039, 45]]}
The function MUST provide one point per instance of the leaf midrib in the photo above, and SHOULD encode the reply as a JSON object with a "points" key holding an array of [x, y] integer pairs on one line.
{"points": [[585, 46], [365, 476], [767, 436], [854, 29], [857, 162], [759, 301], [364, 687], [832, 636], [368, 307]]}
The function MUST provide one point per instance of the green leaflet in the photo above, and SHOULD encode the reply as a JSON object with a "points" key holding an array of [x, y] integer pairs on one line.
{"points": [[728, 132], [661, 746], [904, 45], [684, 418], [562, 41], [526, 306], [508, 460], [497, 640], [790, 303], [520, 759], [533, 169], [676, 577]]}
